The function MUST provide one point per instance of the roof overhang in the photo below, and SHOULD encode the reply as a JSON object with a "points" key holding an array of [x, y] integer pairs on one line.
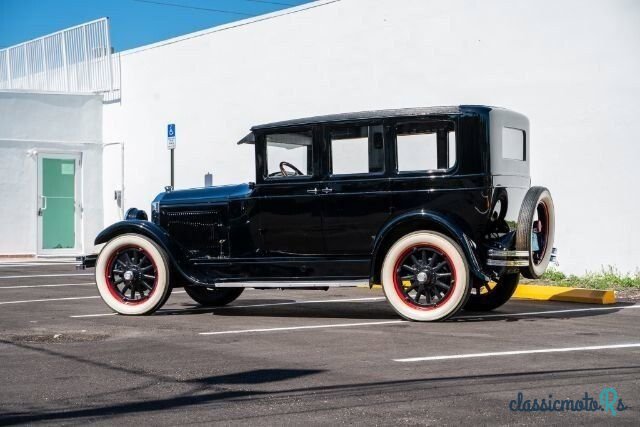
{"points": [[248, 139]]}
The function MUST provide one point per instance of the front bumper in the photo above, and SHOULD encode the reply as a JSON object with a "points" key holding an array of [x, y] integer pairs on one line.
{"points": [[86, 261]]}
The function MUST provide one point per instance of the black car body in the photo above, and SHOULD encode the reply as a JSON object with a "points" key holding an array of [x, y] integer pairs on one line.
{"points": [[330, 220]]}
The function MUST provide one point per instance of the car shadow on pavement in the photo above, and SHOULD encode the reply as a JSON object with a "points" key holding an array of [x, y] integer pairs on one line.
{"points": [[320, 309], [193, 308], [381, 310], [553, 312]]}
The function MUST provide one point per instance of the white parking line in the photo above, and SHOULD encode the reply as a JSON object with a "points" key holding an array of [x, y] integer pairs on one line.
{"points": [[245, 306], [93, 315], [46, 275], [296, 328], [47, 300], [46, 286], [535, 313], [517, 352]]}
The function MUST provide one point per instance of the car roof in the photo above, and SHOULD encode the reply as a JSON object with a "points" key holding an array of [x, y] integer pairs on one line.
{"points": [[373, 114]]}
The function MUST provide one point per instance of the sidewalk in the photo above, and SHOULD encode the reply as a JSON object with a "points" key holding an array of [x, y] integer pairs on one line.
{"points": [[36, 259]]}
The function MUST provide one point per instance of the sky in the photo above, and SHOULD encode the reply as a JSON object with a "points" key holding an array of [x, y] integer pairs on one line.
{"points": [[133, 22]]}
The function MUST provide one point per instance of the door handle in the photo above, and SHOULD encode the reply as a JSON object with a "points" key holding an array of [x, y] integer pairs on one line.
{"points": [[44, 205], [327, 190], [313, 191]]}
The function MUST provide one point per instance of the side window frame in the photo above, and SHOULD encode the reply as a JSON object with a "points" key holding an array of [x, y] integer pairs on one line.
{"points": [[327, 152], [438, 125], [522, 158], [262, 161]]}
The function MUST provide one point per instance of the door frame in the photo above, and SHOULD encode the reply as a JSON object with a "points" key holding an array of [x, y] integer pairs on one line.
{"points": [[78, 199], [283, 188], [353, 189]]}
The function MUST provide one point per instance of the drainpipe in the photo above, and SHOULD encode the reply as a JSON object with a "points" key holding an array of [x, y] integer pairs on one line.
{"points": [[121, 144]]}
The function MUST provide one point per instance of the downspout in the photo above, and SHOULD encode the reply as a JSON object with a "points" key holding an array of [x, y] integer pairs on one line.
{"points": [[121, 144]]}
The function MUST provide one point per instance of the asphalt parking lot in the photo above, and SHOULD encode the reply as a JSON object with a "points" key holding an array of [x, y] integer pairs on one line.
{"points": [[294, 357]]}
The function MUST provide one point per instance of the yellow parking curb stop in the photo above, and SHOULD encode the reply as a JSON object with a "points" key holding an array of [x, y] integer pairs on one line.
{"points": [[559, 293]]}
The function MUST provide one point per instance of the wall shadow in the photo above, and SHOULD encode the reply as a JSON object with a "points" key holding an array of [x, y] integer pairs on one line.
{"points": [[335, 393]]}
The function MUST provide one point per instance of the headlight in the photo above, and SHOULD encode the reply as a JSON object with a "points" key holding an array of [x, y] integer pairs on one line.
{"points": [[155, 212], [133, 213]]}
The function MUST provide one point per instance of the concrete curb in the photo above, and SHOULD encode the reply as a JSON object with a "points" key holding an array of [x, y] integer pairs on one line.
{"points": [[559, 293]]}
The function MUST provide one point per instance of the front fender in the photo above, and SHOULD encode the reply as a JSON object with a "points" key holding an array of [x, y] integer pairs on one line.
{"points": [[429, 220], [149, 230], [136, 226]]}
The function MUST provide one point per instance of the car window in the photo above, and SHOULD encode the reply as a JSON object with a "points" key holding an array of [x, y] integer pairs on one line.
{"points": [[513, 144], [425, 147], [289, 154], [356, 150]]}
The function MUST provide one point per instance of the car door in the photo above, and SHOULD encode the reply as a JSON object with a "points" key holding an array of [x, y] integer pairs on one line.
{"points": [[355, 198], [424, 154], [289, 210]]}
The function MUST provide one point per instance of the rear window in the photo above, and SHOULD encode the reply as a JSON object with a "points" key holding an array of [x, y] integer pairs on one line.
{"points": [[425, 146], [513, 144]]}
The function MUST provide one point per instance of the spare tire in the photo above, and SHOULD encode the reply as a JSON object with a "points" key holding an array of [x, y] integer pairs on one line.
{"points": [[536, 230]]}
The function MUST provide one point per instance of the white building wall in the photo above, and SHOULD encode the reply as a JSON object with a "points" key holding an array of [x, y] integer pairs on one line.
{"points": [[572, 67], [32, 123]]}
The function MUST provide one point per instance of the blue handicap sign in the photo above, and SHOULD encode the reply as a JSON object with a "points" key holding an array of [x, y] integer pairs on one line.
{"points": [[171, 130]]}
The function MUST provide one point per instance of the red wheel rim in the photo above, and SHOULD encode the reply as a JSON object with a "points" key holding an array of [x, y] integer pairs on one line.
{"points": [[542, 233], [431, 275], [131, 275]]}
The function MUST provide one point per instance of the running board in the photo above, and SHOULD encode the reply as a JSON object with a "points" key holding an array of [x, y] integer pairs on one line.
{"points": [[294, 284]]}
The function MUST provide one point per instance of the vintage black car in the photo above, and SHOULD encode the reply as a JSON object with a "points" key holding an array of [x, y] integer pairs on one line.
{"points": [[433, 203]]}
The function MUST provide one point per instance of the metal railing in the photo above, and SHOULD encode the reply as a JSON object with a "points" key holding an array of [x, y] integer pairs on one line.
{"points": [[77, 59]]}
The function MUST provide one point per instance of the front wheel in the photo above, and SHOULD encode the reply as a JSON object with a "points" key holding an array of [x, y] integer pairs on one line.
{"points": [[132, 275], [425, 276], [212, 297]]}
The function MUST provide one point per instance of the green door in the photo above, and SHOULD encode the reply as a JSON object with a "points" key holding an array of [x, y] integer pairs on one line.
{"points": [[58, 203]]}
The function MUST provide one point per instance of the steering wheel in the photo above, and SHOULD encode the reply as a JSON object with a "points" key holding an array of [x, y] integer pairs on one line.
{"points": [[295, 170]]}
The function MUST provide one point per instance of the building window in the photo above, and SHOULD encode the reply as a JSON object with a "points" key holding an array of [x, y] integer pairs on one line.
{"points": [[425, 146], [289, 154], [356, 150], [513, 144]]}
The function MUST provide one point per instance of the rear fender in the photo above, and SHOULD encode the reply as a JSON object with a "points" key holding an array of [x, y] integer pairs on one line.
{"points": [[421, 220]]}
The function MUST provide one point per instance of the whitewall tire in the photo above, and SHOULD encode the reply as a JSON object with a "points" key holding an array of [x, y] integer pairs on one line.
{"points": [[536, 221], [425, 276], [132, 275]]}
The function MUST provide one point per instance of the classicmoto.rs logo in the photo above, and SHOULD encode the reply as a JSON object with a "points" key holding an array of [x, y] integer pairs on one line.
{"points": [[608, 401]]}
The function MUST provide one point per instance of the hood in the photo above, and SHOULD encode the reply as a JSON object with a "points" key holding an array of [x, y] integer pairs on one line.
{"points": [[204, 195]]}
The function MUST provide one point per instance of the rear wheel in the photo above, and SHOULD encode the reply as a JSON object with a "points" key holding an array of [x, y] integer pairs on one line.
{"points": [[132, 275], [213, 297], [487, 296], [425, 276]]}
